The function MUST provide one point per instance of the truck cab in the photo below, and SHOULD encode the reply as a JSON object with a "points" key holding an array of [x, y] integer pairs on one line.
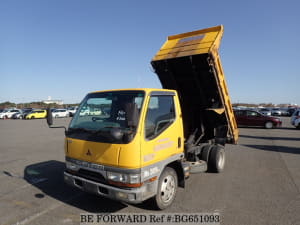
{"points": [[122, 152]]}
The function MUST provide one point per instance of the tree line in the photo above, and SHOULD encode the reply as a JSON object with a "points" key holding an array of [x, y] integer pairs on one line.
{"points": [[8, 104]]}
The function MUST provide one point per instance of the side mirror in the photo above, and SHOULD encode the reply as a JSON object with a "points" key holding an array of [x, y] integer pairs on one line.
{"points": [[49, 117]]}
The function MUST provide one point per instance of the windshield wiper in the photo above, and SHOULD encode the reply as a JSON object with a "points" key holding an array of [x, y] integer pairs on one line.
{"points": [[79, 129]]}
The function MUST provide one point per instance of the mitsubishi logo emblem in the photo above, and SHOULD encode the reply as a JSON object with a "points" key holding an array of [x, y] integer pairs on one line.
{"points": [[88, 152]]}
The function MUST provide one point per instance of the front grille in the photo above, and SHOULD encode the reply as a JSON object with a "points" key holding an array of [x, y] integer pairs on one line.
{"points": [[91, 175]]}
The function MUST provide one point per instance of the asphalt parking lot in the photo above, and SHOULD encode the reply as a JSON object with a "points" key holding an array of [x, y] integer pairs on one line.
{"points": [[260, 185]]}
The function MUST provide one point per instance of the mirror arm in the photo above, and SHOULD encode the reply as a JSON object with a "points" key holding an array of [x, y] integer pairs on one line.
{"points": [[50, 121], [66, 130], [58, 127]]}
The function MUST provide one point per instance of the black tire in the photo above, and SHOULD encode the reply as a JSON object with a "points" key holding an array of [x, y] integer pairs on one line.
{"points": [[205, 153], [217, 158], [269, 125], [32, 117], [167, 188]]}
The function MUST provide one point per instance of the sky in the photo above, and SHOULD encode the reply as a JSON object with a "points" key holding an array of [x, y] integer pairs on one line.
{"points": [[67, 48]]}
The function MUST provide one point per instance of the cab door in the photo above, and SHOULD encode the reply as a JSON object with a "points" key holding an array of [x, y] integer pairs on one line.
{"points": [[162, 134], [255, 119]]}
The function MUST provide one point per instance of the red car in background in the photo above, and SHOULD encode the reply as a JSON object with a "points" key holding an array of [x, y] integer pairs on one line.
{"points": [[255, 119]]}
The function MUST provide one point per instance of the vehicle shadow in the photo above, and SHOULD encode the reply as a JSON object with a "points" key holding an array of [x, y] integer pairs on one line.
{"points": [[287, 128], [48, 178], [271, 138], [283, 149]]}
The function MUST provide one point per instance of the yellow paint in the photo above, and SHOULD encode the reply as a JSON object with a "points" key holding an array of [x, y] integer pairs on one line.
{"points": [[165, 144], [205, 41], [191, 43], [131, 155]]}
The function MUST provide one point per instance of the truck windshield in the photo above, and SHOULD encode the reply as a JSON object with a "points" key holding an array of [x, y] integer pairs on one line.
{"points": [[109, 117]]}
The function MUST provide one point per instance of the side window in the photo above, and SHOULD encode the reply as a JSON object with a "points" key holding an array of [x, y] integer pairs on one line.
{"points": [[252, 113], [239, 113], [160, 115]]}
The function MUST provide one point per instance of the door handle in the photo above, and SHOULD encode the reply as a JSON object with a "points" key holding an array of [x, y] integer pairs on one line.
{"points": [[179, 142]]}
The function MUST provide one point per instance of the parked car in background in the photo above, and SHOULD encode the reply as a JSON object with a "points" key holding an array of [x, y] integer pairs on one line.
{"points": [[295, 119], [256, 119], [18, 115], [284, 112], [26, 111], [265, 111], [72, 110], [60, 113], [22, 114], [291, 111], [37, 114], [8, 113], [276, 112]]}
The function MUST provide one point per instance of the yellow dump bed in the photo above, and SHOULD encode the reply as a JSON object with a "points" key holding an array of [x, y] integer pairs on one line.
{"points": [[190, 64], [191, 43]]}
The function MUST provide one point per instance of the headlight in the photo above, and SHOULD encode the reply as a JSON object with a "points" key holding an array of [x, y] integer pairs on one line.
{"points": [[118, 177], [131, 180], [71, 166]]}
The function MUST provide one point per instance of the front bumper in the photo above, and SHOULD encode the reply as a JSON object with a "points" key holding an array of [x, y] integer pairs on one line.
{"points": [[132, 195]]}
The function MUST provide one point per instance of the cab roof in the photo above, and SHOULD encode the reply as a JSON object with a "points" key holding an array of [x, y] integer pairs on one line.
{"points": [[146, 90]]}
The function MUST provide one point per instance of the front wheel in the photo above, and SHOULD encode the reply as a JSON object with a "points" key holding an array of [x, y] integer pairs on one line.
{"points": [[268, 125], [167, 188]]}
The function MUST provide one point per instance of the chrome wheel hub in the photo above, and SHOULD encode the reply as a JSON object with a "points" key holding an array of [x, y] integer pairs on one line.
{"points": [[168, 188]]}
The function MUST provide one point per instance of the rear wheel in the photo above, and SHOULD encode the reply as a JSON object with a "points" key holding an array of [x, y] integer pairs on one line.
{"points": [[216, 159], [167, 188], [205, 153], [269, 125]]}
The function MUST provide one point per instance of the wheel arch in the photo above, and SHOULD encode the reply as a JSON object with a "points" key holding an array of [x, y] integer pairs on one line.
{"points": [[178, 167]]}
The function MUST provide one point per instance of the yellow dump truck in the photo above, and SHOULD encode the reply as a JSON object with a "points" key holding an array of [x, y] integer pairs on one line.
{"points": [[146, 142]]}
